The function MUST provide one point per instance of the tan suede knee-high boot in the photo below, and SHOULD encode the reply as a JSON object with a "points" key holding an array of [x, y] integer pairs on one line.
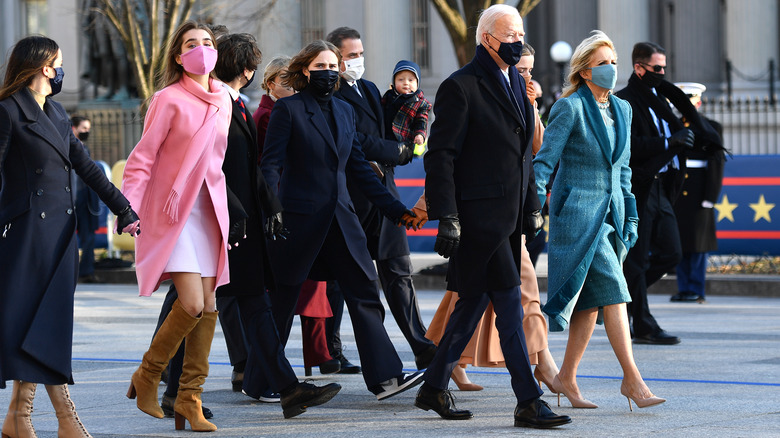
{"points": [[17, 422], [197, 347], [146, 379], [69, 423]]}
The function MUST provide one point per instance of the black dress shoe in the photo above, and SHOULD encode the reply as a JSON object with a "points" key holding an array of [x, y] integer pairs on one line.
{"points": [[347, 367], [685, 297], [539, 416], [424, 359], [658, 338], [167, 407], [329, 367], [237, 381], [441, 402], [305, 395]]}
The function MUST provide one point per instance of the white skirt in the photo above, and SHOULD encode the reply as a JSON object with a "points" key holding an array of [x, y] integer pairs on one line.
{"points": [[197, 249]]}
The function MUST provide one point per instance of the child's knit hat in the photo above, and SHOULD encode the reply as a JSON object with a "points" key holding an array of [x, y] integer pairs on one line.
{"points": [[407, 65]]}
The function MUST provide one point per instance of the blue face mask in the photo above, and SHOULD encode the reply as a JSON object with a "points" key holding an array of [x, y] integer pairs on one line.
{"points": [[605, 76], [56, 81]]}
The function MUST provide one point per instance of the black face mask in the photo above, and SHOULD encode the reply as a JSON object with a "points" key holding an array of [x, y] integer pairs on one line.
{"points": [[652, 79], [83, 136], [56, 81], [249, 81], [322, 82], [510, 53]]}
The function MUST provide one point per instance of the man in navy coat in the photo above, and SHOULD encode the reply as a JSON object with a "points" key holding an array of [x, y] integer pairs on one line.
{"points": [[387, 243], [478, 173]]}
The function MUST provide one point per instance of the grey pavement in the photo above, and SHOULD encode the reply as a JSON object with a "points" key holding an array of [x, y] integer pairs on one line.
{"points": [[723, 380]]}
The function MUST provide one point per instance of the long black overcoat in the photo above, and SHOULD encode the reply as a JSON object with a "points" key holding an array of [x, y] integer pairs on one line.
{"points": [[38, 249], [478, 166]]}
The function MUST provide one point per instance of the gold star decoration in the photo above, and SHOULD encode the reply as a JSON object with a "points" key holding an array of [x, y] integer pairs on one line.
{"points": [[725, 209], [762, 209]]}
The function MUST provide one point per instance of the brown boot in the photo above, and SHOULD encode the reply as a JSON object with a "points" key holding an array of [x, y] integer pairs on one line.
{"points": [[197, 346], [146, 379], [69, 423], [17, 422]]}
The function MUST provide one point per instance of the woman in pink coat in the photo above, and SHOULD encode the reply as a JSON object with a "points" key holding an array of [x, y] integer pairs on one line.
{"points": [[174, 175]]}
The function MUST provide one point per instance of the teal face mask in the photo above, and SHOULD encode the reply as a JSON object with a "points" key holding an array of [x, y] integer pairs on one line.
{"points": [[605, 76]]}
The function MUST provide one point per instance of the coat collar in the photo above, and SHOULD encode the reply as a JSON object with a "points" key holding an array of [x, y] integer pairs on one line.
{"points": [[43, 124], [488, 82], [214, 96], [318, 118], [350, 95], [246, 125], [594, 119]]}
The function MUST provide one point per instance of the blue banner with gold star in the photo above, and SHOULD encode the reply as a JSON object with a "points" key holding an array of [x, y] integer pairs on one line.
{"points": [[751, 190]]}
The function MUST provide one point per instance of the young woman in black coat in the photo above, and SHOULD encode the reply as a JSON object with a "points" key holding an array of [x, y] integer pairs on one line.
{"points": [[38, 248]]}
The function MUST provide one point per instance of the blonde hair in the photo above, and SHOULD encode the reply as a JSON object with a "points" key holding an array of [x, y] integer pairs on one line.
{"points": [[488, 18], [275, 67], [581, 58]]}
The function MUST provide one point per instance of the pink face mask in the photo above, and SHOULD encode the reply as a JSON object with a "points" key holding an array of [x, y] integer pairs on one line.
{"points": [[200, 60]]}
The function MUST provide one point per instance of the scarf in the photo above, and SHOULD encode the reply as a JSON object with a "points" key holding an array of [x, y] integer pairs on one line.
{"points": [[201, 143]]}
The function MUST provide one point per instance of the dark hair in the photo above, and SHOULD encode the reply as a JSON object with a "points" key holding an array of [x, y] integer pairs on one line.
{"points": [[528, 50], [75, 121], [28, 56], [172, 70], [644, 51], [237, 52], [293, 76], [342, 33], [219, 30]]}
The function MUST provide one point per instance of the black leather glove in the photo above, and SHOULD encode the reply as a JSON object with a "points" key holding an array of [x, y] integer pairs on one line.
{"points": [[532, 224], [448, 237], [683, 137], [237, 232], [125, 218], [274, 227], [405, 153]]}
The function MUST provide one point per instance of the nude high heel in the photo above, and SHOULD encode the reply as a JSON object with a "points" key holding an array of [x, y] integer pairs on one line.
{"points": [[640, 402], [579, 403], [540, 378], [461, 379]]}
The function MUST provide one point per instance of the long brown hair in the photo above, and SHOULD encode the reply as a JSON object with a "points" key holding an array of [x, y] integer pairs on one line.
{"points": [[28, 56], [173, 71], [294, 77]]}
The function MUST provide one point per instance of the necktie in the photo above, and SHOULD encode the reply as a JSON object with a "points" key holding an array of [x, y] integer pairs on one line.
{"points": [[357, 89], [243, 108]]}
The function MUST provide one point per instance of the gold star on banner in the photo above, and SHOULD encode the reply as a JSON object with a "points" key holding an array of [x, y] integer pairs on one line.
{"points": [[762, 210], [725, 209]]}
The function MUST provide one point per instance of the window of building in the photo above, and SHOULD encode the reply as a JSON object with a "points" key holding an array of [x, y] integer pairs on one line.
{"points": [[312, 21], [35, 13], [421, 35]]}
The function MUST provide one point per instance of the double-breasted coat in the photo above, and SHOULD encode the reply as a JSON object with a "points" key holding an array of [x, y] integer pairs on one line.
{"points": [[38, 249], [478, 166], [385, 240], [185, 126], [592, 186], [308, 167]]}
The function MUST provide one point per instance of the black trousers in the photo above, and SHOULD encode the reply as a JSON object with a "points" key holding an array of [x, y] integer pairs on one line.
{"points": [[379, 360], [509, 323], [657, 251]]}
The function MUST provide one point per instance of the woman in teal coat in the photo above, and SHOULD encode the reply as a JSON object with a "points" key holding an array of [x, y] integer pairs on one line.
{"points": [[593, 217]]}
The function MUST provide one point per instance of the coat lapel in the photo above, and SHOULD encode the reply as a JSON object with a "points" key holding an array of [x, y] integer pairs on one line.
{"points": [[487, 83], [42, 126], [593, 118], [318, 120], [350, 95], [621, 128], [239, 119]]}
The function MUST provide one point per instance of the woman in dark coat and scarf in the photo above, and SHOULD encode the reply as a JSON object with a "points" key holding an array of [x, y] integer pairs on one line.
{"points": [[38, 249]]}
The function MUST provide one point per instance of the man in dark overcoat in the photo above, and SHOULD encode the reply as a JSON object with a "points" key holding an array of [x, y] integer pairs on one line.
{"points": [[387, 243], [478, 176], [659, 141]]}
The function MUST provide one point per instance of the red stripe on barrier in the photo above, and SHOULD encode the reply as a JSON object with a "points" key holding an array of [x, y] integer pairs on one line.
{"points": [[751, 181], [101, 230], [410, 182], [724, 234], [425, 232]]}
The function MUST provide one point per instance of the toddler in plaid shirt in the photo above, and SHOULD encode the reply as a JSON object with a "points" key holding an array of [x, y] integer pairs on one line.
{"points": [[405, 107]]}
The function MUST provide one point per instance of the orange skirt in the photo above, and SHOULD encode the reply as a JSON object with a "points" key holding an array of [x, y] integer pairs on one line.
{"points": [[484, 348]]}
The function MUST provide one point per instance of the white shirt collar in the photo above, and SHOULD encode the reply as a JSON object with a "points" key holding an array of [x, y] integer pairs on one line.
{"points": [[233, 93]]}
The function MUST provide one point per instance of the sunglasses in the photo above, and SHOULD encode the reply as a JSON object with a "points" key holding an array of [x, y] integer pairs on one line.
{"points": [[655, 68]]}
